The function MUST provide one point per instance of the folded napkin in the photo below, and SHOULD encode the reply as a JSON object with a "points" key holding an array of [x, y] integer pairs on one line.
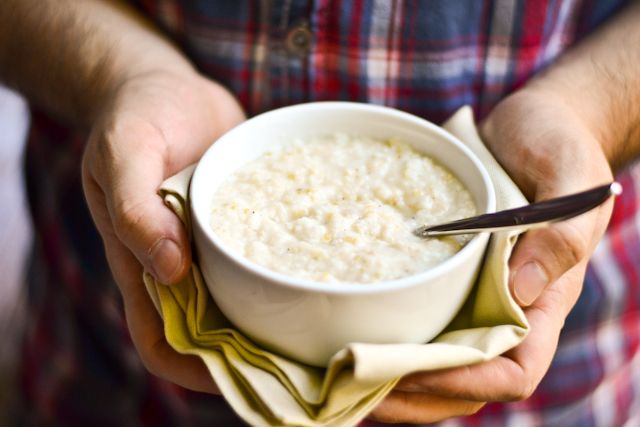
{"points": [[266, 389]]}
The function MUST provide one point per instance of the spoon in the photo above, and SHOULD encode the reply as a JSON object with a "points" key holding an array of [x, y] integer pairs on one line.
{"points": [[534, 215]]}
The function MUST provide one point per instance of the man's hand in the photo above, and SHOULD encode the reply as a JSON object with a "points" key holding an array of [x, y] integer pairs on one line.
{"points": [[153, 126], [98, 65], [557, 135], [549, 152]]}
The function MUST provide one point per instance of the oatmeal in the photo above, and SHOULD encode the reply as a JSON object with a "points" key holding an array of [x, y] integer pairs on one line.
{"points": [[340, 208]]}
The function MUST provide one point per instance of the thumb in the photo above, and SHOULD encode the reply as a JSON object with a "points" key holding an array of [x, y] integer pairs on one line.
{"points": [[542, 255], [141, 221]]}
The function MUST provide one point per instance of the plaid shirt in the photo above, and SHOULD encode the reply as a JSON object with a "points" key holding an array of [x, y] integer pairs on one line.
{"points": [[428, 58]]}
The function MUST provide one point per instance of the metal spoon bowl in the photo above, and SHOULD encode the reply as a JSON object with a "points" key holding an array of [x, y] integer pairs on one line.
{"points": [[534, 215]]}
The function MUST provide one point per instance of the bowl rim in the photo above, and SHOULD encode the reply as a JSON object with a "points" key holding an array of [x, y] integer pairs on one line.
{"points": [[342, 288]]}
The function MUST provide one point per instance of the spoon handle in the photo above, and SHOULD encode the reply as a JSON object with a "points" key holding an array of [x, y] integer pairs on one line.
{"points": [[534, 215]]}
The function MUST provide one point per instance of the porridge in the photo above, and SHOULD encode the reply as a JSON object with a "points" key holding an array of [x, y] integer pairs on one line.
{"points": [[340, 208]]}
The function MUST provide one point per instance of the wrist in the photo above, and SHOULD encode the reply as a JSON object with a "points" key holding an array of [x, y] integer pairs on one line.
{"points": [[125, 47], [598, 79], [592, 108], [126, 81]]}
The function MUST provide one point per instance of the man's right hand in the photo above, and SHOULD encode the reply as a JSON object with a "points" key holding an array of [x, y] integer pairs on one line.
{"points": [[99, 65], [154, 125]]}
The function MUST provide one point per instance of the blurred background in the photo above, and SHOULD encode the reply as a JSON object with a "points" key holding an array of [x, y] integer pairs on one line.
{"points": [[15, 239]]}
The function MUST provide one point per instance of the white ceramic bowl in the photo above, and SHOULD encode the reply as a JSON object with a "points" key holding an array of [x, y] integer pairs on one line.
{"points": [[310, 321]]}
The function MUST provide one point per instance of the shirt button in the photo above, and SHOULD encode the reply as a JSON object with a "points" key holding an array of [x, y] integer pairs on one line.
{"points": [[298, 40]]}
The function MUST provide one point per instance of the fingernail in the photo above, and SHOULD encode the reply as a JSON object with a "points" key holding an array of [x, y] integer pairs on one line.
{"points": [[528, 283], [166, 259]]}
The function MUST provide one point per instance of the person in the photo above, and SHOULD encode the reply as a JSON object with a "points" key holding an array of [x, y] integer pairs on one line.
{"points": [[554, 85]]}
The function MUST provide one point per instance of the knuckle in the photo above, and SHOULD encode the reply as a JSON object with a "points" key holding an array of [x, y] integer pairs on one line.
{"points": [[150, 366], [538, 162], [570, 244], [393, 409], [123, 132], [107, 139], [150, 362], [523, 391], [382, 414], [128, 218]]}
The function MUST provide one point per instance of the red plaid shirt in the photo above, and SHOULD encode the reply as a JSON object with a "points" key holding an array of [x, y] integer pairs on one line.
{"points": [[428, 58]]}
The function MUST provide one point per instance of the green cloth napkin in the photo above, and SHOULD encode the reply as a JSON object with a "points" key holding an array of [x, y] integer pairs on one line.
{"points": [[266, 389]]}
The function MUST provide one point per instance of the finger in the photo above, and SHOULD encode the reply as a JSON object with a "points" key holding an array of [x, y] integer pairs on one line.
{"points": [[147, 333], [419, 408], [147, 329], [541, 256], [129, 169], [145, 325], [516, 374]]}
